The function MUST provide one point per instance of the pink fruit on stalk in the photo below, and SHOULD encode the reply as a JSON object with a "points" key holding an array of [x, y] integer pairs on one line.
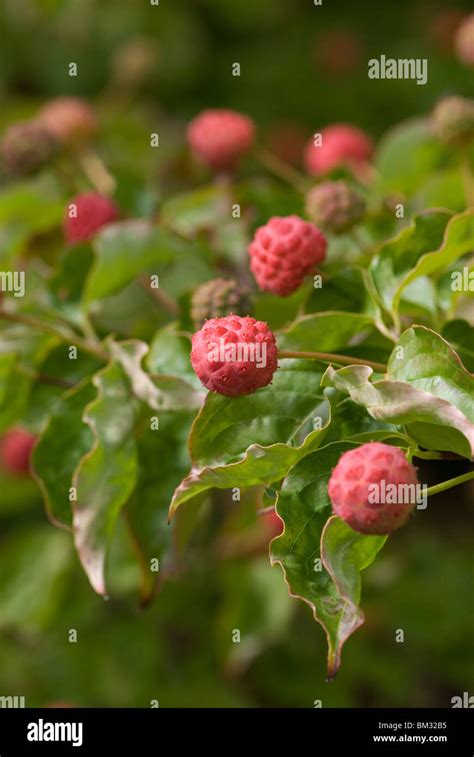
{"points": [[373, 488], [15, 449], [86, 214], [273, 524], [219, 137], [283, 252], [70, 120], [341, 145], [464, 41], [234, 355]]}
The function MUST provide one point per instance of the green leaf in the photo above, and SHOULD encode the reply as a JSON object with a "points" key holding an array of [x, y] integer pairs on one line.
{"points": [[460, 334], [202, 209], [125, 250], [304, 506], [344, 291], [391, 267], [457, 241], [324, 332], [426, 361], [245, 441], [21, 352], [445, 189], [34, 564], [106, 476], [26, 208], [169, 354], [278, 311], [163, 460], [345, 554], [161, 393], [406, 157], [129, 355], [62, 444], [255, 601], [427, 389], [65, 289]]}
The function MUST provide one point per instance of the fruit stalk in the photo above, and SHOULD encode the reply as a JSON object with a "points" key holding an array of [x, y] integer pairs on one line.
{"points": [[329, 357]]}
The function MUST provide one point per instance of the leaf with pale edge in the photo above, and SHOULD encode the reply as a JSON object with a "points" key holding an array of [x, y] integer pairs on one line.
{"points": [[60, 448], [106, 476], [303, 548], [426, 388], [252, 440]]}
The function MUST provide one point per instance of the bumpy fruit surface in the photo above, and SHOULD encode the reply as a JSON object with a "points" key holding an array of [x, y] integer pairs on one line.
{"points": [[70, 120], [86, 214], [234, 355], [217, 298], [25, 148], [219, 138], [362, 492], [335, 206], [16, 447], [341, 145], [464, 41], [283, 252], [453, 120]]}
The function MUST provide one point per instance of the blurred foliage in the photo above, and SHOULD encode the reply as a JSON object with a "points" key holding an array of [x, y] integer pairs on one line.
{"points": [[150, 70]]}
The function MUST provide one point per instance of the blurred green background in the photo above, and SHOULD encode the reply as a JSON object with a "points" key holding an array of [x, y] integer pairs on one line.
{"points": [[152, 68]]}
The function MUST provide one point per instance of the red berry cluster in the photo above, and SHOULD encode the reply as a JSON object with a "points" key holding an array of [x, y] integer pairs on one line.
{"points": [[92, 211], [283, 252], [16, 448], [341, 144], [358, 480], [219, 137], [234, 355]]}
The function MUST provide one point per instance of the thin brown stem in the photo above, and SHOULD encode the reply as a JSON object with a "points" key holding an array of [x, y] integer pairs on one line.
{"points": [[45, 378], [67, 336], [328, 357], [283, 170], [95, 170], [160, 297]]}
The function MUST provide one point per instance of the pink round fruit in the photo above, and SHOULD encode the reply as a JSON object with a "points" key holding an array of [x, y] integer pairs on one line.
{"points": [[373, 488], [273, 524], [234, 355], [219, 137], [16, 448], [464, 41], [70, 120], [283, 252], [341, 145], [86, 214]]}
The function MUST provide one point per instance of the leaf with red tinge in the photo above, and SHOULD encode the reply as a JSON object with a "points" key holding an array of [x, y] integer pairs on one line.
{"points": [[308, 560]]}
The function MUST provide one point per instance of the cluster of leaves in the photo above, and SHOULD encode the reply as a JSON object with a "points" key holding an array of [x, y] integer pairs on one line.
{"points": [[125, 429]]}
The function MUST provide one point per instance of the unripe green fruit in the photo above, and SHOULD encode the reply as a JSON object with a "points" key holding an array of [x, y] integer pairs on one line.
{"points": [[335, 206], [217, 298]]}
